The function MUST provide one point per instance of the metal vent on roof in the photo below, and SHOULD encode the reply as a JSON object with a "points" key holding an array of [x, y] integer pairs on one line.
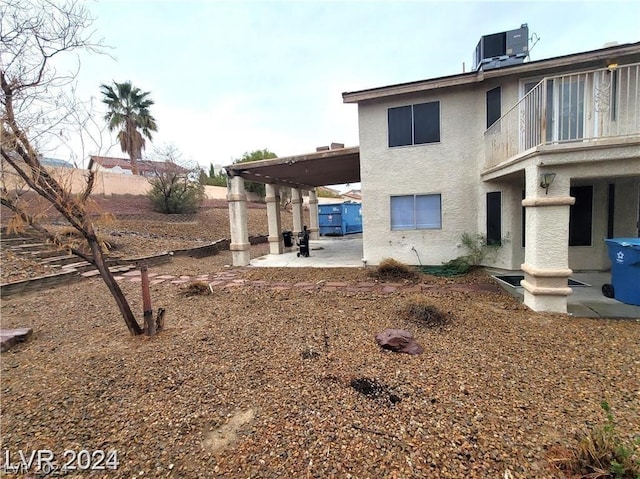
{"points": [[502, 49]]}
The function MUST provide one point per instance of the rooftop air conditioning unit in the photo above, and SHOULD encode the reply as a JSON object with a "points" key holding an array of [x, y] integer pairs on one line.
{"points": [[502, 49]]}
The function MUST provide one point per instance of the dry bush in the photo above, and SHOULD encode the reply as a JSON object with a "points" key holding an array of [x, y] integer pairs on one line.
{"points": [[423, 312], [390, 269], [75, 239], [600, 453], [196, 288]]}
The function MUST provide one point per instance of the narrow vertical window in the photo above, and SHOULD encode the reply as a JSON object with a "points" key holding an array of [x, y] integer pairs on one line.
{"points": [[400, 129], [524, 221], [494, 218], [426, 123], [611, 208], [494, 106]]}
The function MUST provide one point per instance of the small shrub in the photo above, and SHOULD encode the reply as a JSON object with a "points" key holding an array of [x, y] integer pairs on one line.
{"points": [[74, 239], [457, 266], [178, 196], [420, 310], [390, 269], [600, 453], [477, 250], [196, 288]]}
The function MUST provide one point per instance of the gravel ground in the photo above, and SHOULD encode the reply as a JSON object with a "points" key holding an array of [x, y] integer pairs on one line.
{"points": [[255, 382]]}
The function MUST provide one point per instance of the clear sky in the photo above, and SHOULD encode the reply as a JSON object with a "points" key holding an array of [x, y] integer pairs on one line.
{"points": [[234, 76]]}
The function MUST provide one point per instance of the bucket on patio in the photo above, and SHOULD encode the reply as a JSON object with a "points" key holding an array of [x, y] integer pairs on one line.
{"points": [[287, 236], [624, 254]]}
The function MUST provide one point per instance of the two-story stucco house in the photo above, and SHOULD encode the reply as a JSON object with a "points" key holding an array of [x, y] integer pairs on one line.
{"points": [[542, 157]]}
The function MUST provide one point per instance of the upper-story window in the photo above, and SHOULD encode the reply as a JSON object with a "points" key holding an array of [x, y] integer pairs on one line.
{"points": [[414, 124], [494, 106]]}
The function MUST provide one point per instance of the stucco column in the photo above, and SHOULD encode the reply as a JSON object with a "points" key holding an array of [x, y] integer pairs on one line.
{"points": [[546, 266], [276, 243], [237, 199], [296, 201], [313, 215]]}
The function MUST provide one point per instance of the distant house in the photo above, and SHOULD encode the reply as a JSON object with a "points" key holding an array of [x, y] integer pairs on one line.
{"points": [[325, 191], [55, 162], [353, 195], [122, 166]]}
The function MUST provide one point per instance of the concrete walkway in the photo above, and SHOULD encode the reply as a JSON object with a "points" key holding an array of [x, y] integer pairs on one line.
{"points": [[586, 301]]}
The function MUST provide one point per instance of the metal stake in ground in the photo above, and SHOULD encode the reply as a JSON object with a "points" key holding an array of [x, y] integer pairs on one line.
{"points": [[149, 323]]}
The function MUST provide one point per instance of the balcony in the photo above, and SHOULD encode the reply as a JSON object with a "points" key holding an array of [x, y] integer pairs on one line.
{"points": [[583, 108]]}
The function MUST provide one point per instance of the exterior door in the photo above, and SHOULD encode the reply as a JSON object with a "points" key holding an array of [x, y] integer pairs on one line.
{"points": [[568, 108]]}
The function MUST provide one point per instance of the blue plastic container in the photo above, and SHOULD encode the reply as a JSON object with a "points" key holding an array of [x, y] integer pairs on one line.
{"points": [[351, 218], [340, 219], [624, 254], [330, 220]]}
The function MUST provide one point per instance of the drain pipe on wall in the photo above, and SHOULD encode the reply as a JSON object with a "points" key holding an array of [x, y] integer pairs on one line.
{"points": [[413, 248]]}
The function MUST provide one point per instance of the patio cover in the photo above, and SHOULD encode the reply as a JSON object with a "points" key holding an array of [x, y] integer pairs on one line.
{"points": [[330, 167]]}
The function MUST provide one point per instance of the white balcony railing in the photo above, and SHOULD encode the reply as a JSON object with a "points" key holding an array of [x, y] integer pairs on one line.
{"points": [[580, 107]]}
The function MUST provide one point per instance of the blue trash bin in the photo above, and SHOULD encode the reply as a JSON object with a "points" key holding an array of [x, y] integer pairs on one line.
{"points": [[624, 254]]}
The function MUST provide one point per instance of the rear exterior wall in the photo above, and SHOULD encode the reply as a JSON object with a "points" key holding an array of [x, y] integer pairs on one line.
{"points": [[449, 168]]}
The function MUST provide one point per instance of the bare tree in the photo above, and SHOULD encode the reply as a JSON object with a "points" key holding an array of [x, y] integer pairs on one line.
{"points": [[36, 109], [175, 185]]}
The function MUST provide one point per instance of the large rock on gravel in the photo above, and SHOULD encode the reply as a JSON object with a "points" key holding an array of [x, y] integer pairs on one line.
{"points": [[398, 340], [10, 337]]}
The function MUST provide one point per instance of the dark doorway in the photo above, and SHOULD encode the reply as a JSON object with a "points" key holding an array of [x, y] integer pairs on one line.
{"points": [[580, 216]]}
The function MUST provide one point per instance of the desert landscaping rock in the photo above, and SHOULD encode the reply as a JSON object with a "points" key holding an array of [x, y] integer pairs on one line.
{"points": [[11, 337], [399, 341]]}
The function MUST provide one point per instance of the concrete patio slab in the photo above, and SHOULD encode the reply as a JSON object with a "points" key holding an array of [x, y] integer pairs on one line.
{"points": [[326, 252]]}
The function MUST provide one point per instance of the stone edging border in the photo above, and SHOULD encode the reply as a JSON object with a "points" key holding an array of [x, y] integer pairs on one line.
{"points": [[72, 276]]}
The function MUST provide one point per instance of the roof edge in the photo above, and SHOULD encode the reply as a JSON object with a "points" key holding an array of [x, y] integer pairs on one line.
{"points": [[480, 75], [293, 159]]}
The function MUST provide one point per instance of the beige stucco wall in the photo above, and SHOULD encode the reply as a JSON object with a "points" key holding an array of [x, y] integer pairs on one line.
{"points": [[453, 169], [108, 184], [448, 168], [511, 254]]}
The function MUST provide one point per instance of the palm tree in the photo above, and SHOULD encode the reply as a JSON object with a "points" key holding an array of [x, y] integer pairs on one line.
{"points": [[129, 113]]}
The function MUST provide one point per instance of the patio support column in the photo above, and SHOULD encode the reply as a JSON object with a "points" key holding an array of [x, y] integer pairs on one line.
{"points": [[237, 199], [313, 215], [546, 267], [296, 201], [276, 243]]}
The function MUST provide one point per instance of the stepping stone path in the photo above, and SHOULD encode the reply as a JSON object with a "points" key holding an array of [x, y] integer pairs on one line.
{"points": [[228, 280]]}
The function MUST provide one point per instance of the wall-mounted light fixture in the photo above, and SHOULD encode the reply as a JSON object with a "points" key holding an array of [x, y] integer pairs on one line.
{"points": [[612, 66], [545, 181]]}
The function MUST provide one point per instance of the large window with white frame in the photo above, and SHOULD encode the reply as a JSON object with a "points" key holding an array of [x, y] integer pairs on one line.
{"points": [[416, 212], [414, 124]]}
